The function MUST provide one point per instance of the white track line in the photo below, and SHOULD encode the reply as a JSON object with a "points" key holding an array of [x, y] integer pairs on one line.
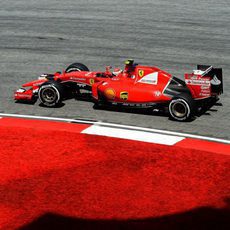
{"points": [[47, 118], [133, 135], [165, 132], [124, 127]]}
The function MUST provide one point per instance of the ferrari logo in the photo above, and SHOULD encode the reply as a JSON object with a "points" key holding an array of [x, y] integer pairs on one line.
{"points": [[141, 72], [91, 81], [124, 96]]}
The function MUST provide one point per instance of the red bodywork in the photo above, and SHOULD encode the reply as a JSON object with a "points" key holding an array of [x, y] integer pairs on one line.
{"points": [[86, 78], [142, 85], [136, 84]]}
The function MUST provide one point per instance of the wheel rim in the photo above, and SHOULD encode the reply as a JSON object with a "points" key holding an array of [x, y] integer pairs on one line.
{"points": [[49, 95], [179, 109]]}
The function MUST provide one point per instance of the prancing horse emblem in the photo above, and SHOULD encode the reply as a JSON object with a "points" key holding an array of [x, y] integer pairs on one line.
{"points": [[141, 72]]}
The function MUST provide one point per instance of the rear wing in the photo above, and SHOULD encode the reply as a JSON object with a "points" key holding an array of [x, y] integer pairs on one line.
{"points": [[216, 77], [205, 81]]}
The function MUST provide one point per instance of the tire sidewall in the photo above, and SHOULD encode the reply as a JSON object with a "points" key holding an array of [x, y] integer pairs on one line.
{"points": [[76, 67], [57, 91], [187, 106]]}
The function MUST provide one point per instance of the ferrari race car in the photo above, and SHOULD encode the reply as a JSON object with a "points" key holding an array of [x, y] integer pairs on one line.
{"points": [[136, 86]]}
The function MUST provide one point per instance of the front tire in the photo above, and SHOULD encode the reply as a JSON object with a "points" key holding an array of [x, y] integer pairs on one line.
{"points": [[76, 67], [181, 108], [51, 93]]}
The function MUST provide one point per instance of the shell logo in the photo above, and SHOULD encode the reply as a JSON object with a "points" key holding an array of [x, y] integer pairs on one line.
{"points": [[110, 93]]}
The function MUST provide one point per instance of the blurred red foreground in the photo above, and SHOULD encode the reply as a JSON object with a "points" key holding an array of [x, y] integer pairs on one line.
{"points": [[84, 177]]}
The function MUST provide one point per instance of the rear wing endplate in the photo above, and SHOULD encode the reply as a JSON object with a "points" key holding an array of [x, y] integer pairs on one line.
{"points": [[216, 77]]}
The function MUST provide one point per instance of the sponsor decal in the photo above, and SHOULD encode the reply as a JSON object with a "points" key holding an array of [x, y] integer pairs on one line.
{"points": [[205, 87], [124, 96], [46, 86], [204, 94], [198, 82], [91, 81], [138, 105], [157, 93], [78, 78], [22, 95], [205, 90], [38, 84], [82, 85], [35, 90], [42, 77], [151, 78], [20, 90], [110, 93], [194, 77], [141, 72], [198, 72], [87, 74]]}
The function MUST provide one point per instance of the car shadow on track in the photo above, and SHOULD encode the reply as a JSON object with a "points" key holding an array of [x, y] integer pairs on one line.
{"points": [[26, 102], [209, 108], [197, 219], [56, 106]]}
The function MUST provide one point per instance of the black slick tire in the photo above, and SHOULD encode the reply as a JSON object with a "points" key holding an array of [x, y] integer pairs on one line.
{"points": [[76, 67], [182, 107], [51, 94]]}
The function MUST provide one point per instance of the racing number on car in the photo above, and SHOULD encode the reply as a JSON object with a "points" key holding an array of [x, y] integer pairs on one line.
{"points": [[91, 81], [141, 72]]}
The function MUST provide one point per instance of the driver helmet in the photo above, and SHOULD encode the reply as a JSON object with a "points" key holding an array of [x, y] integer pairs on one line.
{"points": [[129, 65]]}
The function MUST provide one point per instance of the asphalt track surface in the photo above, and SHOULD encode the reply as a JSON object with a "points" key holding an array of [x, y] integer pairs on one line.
{"points": [[45, 36]]}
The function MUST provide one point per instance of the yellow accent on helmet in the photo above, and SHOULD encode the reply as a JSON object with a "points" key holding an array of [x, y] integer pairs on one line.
{"points": [[129, 62]]}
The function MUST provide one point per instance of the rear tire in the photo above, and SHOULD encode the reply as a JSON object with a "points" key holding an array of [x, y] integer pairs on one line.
{"points": [[51, 93], [76, 67], [182, 108]]}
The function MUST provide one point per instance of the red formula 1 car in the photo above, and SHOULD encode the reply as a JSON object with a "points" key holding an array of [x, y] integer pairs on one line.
{"points": [[135, 86]]}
